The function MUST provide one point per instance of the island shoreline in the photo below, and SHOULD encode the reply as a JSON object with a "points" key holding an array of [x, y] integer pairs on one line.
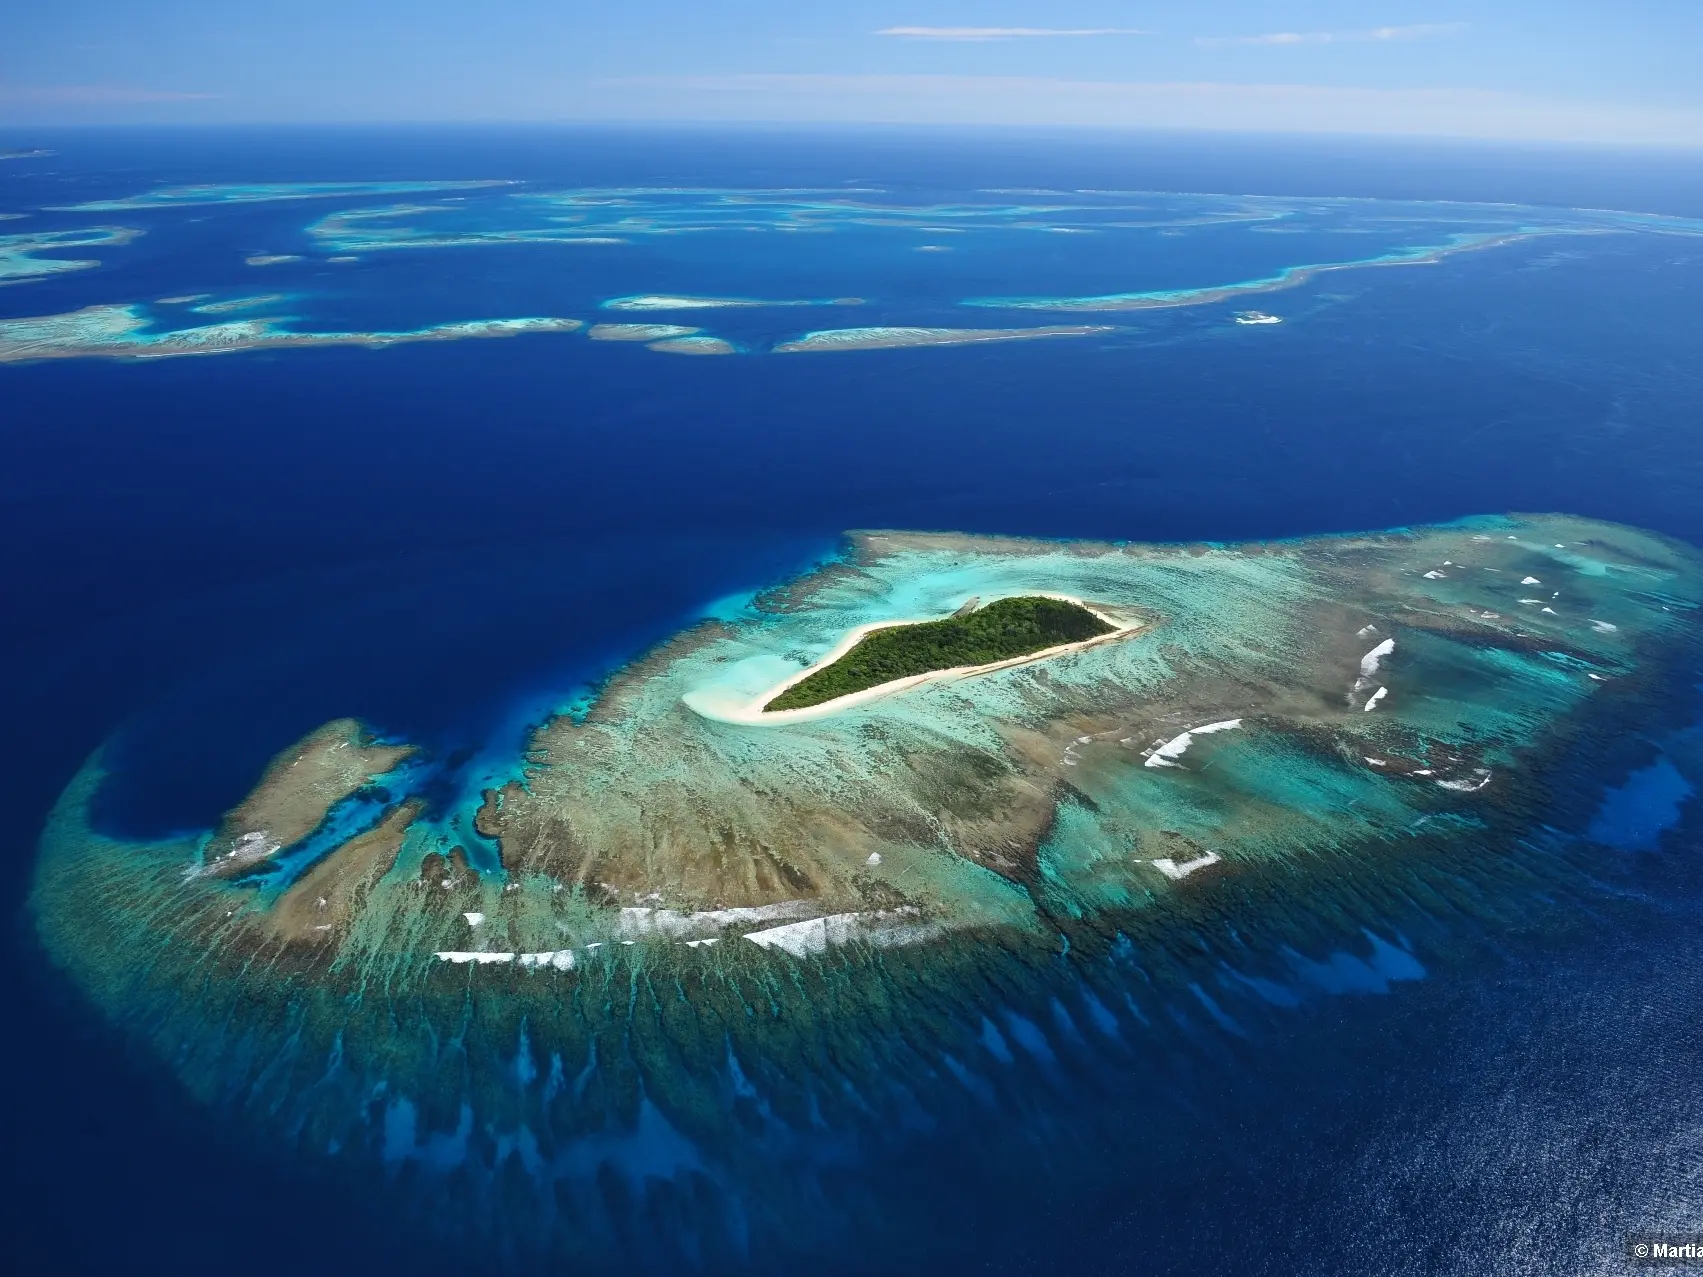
{"points": [[754, 713]]}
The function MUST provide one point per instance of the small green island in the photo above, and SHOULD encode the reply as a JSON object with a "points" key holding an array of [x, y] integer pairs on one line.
{"points": [[1001, 631]]}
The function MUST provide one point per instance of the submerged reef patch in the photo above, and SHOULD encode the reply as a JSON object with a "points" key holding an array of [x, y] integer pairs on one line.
{"points": [[723, 990], [20, 255], [126, 332], [625, 214], [296, 795], [365, 230], [265, 192], [229, 306], [631, 215], [843, 241], [1288, 277]]}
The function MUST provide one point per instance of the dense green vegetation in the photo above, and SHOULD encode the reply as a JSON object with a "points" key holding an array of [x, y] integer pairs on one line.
{"points": [[997, 632]]}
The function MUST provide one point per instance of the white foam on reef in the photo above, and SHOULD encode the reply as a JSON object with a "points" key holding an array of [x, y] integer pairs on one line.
{"points": [[883, 929], [1166, 755], [1603, 627], [721, 703], [642, 923], [558, 959], [1481, 777], [474, 919], [801, 938], [256, 843], [755, 913], [1369, 663], [1530, 580], [1375, 697], [1176, 872]]}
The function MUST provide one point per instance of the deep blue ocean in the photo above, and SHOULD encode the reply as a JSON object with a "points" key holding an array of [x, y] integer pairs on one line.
{"points": [[210, 557]]}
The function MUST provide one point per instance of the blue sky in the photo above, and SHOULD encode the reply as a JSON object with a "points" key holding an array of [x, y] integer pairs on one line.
{"points": [[1587, 71]]}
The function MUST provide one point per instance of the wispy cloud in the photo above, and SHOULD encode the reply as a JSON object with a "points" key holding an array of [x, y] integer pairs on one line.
{"points": [[1002, 33], [1371, 35], [94, 95], [1034, 100]]}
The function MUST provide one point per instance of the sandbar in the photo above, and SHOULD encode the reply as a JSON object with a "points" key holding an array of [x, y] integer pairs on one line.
{"points": [[122, 332], [639, 332], [694, 346], [653, 301], [888, 338]]}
